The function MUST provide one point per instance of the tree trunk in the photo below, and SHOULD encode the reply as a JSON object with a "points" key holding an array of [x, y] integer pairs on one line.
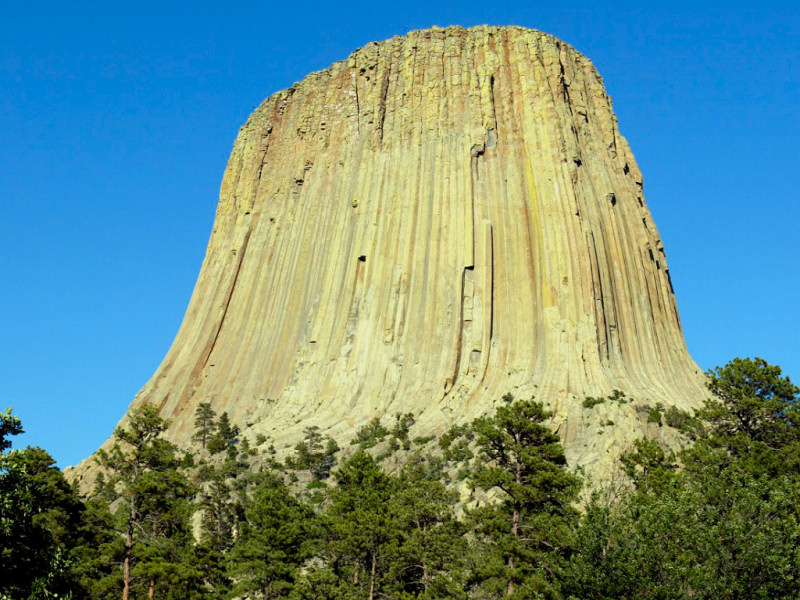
{"points": [[128, 556], [151, 590], [510, 565], [372, 576], [426, 580], [514, 528], [126, 573]]}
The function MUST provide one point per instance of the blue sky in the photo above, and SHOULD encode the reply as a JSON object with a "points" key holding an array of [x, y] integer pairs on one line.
{"points": [[116, 121]]}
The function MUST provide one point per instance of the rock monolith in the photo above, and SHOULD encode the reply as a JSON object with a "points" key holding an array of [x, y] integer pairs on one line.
{"points": [[437, 220]]}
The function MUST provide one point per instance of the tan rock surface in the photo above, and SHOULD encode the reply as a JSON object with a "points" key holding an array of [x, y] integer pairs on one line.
{"points": [[439, 219]]}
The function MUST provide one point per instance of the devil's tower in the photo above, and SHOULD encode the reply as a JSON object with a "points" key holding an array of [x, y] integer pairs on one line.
{"points": [[437, 220]]}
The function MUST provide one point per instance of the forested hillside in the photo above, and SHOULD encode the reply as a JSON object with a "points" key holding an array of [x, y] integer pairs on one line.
{"points": [[489, 510]]}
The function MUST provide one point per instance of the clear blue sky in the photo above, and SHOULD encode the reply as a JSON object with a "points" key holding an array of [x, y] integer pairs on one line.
{"points": [[116, 121]]}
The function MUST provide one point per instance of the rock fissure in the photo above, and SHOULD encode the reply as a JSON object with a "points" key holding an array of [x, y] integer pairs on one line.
{"points": [[240, 255]]}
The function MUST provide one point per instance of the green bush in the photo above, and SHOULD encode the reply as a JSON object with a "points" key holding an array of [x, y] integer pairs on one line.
{"points": [[591, 401], [370, 434]]}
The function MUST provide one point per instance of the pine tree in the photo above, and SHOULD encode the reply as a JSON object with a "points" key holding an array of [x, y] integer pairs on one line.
{"points": [[152, 510], [273, 544], [529, 529], [225, 437], [754, 400], [725, 525], [712, 531], [9, 425], [218, 513], [204, 424], [426, 558], [40, 516], [315, 454], [356, 534]]}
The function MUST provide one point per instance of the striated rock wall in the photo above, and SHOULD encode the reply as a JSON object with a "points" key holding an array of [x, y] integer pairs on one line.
{"points": [[439, 219]]}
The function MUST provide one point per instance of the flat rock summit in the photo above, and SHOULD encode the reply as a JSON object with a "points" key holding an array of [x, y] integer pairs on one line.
{"points": [[435, 221]]}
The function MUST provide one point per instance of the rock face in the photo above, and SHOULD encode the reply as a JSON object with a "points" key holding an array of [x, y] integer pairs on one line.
{"points": [[437, 220]]}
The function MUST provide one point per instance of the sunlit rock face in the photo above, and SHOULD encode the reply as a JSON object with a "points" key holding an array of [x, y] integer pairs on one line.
{"points": [[440, 219]]}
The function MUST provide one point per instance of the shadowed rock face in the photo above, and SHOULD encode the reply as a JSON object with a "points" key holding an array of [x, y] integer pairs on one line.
{"points": [[437, 220]]}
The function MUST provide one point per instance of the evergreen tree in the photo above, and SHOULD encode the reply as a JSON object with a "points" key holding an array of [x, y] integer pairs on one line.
{"points": [[99, 558], [754, 417], [9, 425], [152, 509], [163, 558], [370, 434], [725, 526], [225, 437], [204, 424], [273, 544], [356, 535], [40, 516], [527, 533], [426, 558], [315, 454], [710, 532], [210, 562], [218, 513], [753, 399], [648, 466]]}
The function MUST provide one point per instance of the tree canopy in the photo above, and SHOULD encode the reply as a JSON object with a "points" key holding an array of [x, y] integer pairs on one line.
{"points": [[489, 510]]}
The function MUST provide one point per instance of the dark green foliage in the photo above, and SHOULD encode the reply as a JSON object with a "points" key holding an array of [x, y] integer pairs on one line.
{"points": [[648, 466], [724, 526], [216, 444], [455, 444], [211, 564], [388, 536], [754, 400], [618, 396], [357, 532], [163, 557], [98, 559], [422, 440], [274, 542], [528, 533], [754, 418], [654, 415], [681, 420], [225, 437], [427, 558], [219, 513], [698, 534], [361, 515], [370, 434], [399, 433], [226, 430], [40, 521], [9, 425], [315, 454], [718, 520], [246, 450], [591, 401], [153, 507], [204, 423]]}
